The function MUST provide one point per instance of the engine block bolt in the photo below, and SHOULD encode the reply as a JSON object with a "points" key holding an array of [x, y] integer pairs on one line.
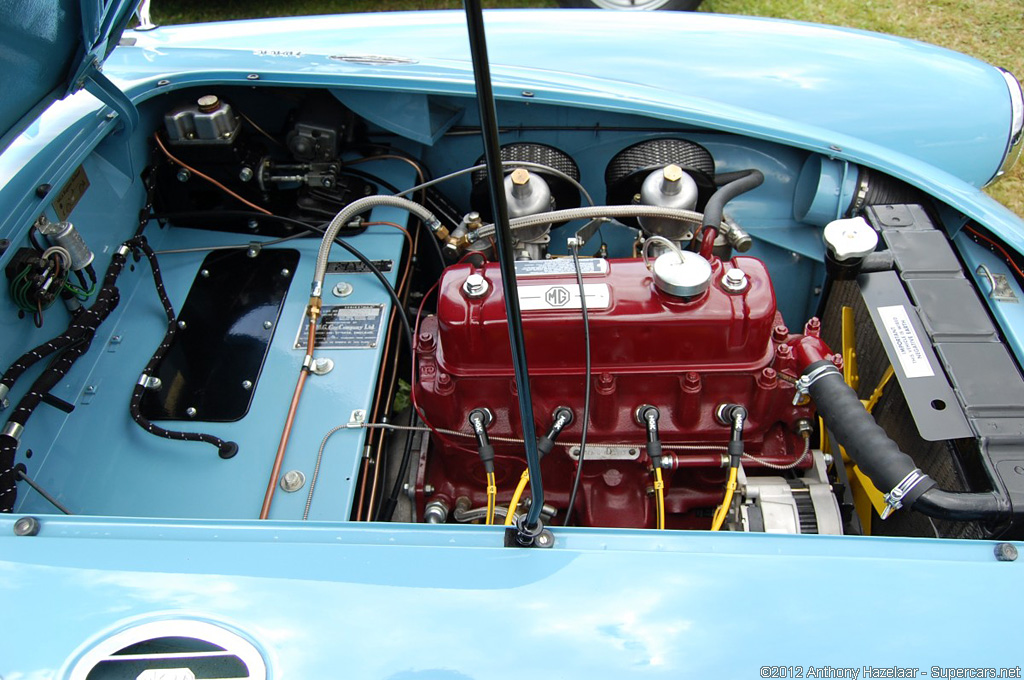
{"points": [[780, 333], [246, 385], [426, 342], [444, 381], [292, 481], [476, 286], [691, 381], [784, 351], [735, 280], [184, 175], [191, 411], [1006, 552], [768, 379], [813, 327]]}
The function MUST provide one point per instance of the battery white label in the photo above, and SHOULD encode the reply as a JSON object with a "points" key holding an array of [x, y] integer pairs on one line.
{"points": [[905, 342], [563, 297]]}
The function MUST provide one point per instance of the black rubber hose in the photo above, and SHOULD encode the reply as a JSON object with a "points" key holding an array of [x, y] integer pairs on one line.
{"points": [[731, 185], [881, 459]]}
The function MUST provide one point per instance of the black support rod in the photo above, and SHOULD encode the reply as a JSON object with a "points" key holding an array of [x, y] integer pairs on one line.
{"points": [[495, 177]]}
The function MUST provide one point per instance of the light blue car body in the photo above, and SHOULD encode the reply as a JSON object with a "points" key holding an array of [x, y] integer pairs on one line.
{"points": [[341, 599]]}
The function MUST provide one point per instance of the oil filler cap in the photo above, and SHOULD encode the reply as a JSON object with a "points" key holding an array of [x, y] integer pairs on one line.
{"points": [[682, 273]]}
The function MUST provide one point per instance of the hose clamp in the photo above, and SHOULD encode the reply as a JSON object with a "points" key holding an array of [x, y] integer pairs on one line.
{"points": [[894, 499], [804, 382], [13, 430]]}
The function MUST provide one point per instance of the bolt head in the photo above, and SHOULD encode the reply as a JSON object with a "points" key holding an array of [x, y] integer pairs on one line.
{"points": [[268, 325], [292, 481], [205, 273], [476, 286], [343, 289], [734, 280], [672, 173], [246, 384], [182, 325], [191, 411], [286, 272], [520, 176]]}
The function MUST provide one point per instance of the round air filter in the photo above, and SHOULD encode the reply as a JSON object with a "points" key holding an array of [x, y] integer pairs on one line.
{"points": [[627, 170], [565, 194]]}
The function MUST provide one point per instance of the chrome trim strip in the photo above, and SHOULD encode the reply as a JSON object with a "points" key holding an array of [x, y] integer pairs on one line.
{"points": [[1013, 146]]}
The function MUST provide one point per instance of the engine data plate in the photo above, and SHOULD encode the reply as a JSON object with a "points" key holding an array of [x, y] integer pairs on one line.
{"points": [[344, 327], [562, 266], [557, 296], [357, 267]]}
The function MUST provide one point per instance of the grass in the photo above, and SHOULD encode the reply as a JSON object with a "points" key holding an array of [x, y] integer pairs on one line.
{"points": [[991, 30]]}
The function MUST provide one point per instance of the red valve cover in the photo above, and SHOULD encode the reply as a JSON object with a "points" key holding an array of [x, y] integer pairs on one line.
{"points": [[685, 357]]}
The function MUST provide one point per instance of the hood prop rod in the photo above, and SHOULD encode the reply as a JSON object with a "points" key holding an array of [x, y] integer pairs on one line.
{"points": [[528, 527]]}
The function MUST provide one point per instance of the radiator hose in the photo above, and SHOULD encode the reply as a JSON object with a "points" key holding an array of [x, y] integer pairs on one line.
{"points": [[878, 456]]}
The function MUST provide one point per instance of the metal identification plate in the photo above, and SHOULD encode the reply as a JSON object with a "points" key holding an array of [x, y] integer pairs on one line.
{"points": [[555, 296], [71, 194], [357, 267], [598, 452], [560, 266], [344, 327]]}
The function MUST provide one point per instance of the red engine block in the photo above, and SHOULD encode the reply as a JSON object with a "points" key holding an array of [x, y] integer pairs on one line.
{"points": [[684, 357]]}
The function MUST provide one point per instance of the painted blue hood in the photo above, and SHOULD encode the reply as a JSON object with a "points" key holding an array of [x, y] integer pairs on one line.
{"points": [[411, 602], [814, 86], [47, 49]]}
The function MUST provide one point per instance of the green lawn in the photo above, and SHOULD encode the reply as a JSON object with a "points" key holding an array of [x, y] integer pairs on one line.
{"points": [[992, 30]]}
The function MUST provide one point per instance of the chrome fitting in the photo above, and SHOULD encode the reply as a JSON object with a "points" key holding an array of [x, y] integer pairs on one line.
{"points": [[124, 250], [436, 512], [4, 390], [476, 286], [735, 280], [12, 430]]}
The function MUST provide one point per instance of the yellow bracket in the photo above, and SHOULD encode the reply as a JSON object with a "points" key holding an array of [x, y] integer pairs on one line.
{"points": [[865, 495]]}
